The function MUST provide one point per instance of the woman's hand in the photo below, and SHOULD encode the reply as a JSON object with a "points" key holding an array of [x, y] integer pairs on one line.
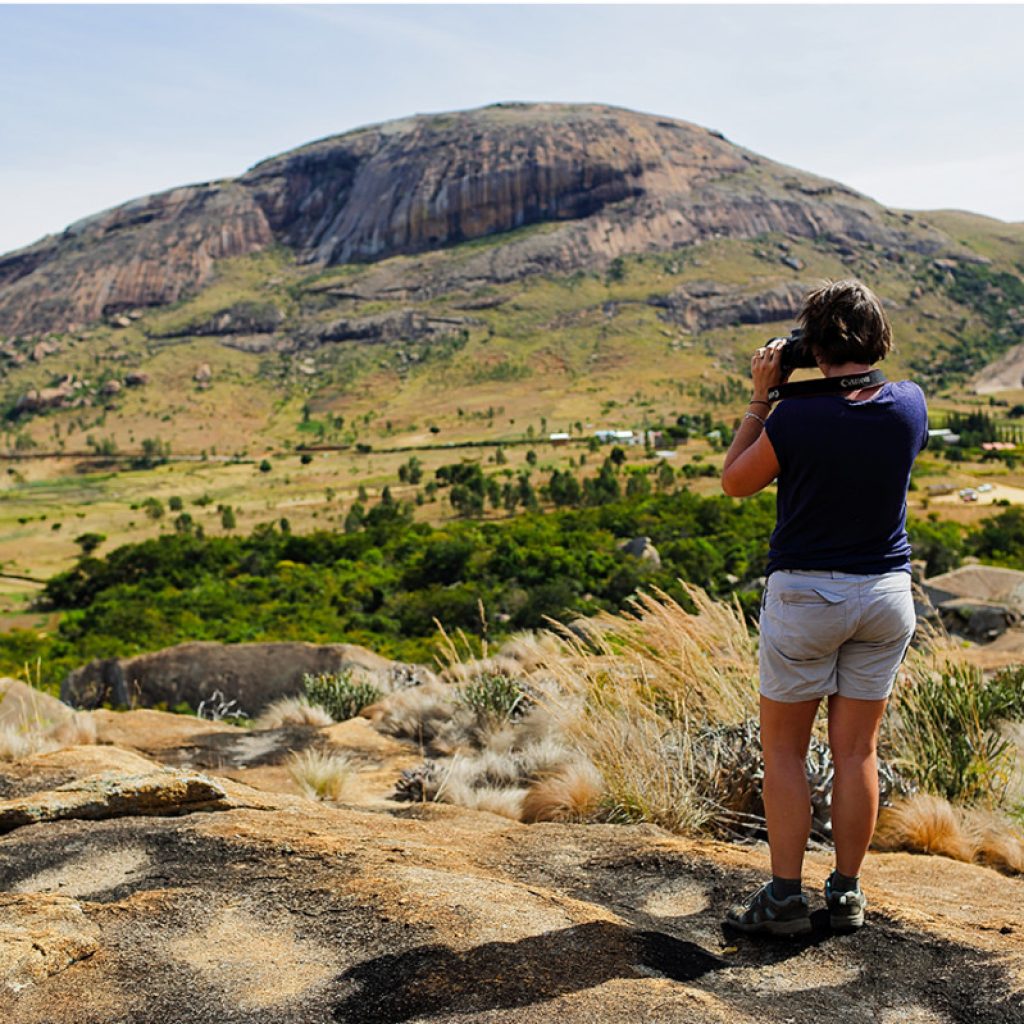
{"points": [[766, 368]]}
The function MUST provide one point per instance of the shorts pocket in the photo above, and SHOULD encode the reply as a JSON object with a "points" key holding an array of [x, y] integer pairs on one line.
{"points": [[813, 623], [810, 596]]}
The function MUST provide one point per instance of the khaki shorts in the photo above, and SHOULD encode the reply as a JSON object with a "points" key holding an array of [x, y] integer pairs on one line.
{"points": [[834, 632]]}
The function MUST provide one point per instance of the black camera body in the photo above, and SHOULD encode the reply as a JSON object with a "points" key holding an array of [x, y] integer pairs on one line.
{"points": [[796, 353]]}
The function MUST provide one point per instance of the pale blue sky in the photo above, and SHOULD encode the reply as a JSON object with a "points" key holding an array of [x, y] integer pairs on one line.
{"points": [[918, 106]]}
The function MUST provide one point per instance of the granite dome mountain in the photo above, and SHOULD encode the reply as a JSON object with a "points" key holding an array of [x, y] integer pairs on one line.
{"points": [[466, 274], [613, 182]]}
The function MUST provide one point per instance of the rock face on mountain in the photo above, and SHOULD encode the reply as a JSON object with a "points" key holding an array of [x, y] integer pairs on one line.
{"points": [[609, 181]]}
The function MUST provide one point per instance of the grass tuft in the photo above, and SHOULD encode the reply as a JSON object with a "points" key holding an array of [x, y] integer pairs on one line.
{"points": [[320, 775], [292, 711]]}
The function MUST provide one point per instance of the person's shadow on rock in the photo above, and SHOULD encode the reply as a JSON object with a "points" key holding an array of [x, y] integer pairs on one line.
{"points": [[502, 975]]}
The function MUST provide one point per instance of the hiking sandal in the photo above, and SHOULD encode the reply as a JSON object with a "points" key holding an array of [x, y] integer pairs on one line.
{"points": [[845, 909], [763, 914]]}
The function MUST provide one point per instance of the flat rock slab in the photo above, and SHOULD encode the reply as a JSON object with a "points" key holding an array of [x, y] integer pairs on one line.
{"points": [[112, 795], [151, 731], [437, 915]]}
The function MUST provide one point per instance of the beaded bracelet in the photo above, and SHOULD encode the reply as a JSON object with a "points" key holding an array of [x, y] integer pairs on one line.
{"points": [[754, 416]]}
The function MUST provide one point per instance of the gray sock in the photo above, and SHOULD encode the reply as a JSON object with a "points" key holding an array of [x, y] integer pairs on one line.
{"points": [[783, 888], [844, 883]]}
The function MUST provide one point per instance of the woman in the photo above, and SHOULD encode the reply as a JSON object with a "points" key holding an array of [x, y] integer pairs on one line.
{"points": [[837, 614]]}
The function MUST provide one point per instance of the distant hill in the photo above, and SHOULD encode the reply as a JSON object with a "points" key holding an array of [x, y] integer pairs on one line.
{"points": [[472, 249]]}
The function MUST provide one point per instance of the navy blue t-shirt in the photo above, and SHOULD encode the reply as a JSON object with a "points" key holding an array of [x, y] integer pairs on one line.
{"points": [[843, 478]]}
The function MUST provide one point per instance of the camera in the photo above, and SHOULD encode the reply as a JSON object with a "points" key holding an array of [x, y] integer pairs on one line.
{"points": [[796, 353]]}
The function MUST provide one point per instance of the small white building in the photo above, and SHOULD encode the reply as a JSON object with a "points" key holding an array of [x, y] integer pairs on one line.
{"points": [[559, 438], [623, 436]]}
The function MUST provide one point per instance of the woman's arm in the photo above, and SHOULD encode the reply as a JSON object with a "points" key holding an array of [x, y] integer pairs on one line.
{"points": [[750, 462]]}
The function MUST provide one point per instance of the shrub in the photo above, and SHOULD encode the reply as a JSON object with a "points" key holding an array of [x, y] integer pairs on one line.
{"points": [[339, 694], [495, 696], [944, 729]]}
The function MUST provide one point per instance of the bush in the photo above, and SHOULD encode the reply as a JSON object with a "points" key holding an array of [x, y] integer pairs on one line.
{"points": [[339, 694], [945, 731], [493, 695]]}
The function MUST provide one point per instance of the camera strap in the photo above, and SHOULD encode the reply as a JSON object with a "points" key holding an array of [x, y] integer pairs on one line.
{"points": [[827, 386]]}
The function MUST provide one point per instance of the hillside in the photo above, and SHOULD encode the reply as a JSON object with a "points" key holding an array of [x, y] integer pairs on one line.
{"points": [[536, 255], [480, 278]]}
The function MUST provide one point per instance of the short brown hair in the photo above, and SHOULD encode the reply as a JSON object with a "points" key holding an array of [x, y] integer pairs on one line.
{"points": [[844, 322]]}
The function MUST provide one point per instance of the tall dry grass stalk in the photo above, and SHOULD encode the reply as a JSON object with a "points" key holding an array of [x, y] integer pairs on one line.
{"points": [[633, 691]]}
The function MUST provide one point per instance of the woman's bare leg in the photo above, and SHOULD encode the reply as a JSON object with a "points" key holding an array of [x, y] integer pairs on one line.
{"points": [[785, 735], [853, 735]]}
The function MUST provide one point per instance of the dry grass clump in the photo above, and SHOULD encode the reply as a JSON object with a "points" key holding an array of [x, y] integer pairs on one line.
{"points": [[320, 775], [17, 743], [78, 730], [571, 793], [293, 711], [25, 740], [930, 824], [426, 714], [640, 687]]}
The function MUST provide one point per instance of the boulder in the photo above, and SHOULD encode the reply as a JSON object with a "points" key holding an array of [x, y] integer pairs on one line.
{"points": [[979, 583], [203, 374], [111, 387], [26, 708], [642, 548], [254, 675], [981, 621], [135, 380]]}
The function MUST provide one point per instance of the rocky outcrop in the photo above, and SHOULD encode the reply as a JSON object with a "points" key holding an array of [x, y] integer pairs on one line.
{"points": [[242, 318], [407, 324], [705, 305], [980, 621], [607, 180], [149, 252], [252, 675]]}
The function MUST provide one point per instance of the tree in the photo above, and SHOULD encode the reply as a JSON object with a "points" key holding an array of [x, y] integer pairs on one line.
{"points": [[355, 517], [227, 517], [525, 493], [617, 455], [638, 485], [175, 504], [153, 508], [265, 466], [89, 542], [564, 488]]}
